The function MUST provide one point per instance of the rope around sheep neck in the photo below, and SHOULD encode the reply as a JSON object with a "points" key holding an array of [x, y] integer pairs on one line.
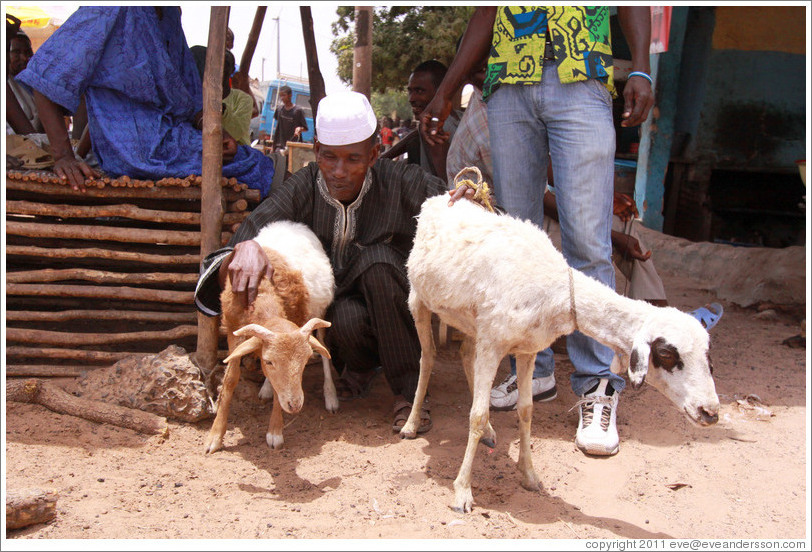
{"points": [[572, 300]]}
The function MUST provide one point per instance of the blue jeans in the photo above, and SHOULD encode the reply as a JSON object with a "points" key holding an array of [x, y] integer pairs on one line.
{"points": [[573, 123]]}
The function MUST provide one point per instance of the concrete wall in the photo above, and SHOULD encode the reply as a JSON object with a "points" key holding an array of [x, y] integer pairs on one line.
{"points": [[745, 276]]}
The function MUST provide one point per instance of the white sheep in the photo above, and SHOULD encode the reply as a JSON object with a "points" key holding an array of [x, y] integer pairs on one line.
{"points": [[502, 283], [279, 327]]}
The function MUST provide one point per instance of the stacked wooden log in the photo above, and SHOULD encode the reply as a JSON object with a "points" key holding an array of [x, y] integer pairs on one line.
{"points": [[97, 275]]}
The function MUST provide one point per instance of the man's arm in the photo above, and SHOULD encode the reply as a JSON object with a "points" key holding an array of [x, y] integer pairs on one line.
{"points": [[476, 43], [66, 166], [635, 21], [15, 115], [242, 260], [301, 123], [628, 246], [438, 153]]}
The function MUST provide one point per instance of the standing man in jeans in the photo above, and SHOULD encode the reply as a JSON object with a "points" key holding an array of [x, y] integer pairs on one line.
{"points": [[549, 90]]}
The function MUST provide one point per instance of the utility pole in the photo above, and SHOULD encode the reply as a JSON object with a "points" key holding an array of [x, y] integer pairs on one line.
{"points": [[362, 54], [263, 69], [278, 72]]}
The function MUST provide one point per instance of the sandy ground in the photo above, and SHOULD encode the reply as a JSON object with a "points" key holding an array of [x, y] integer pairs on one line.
{"points": [[349, 476]]}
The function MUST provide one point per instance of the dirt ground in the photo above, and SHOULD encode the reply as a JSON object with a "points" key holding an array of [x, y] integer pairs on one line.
{"points": [[348, 476]]}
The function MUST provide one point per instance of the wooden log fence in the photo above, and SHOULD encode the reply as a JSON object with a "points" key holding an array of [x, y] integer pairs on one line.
{"points": [[112, 268]]}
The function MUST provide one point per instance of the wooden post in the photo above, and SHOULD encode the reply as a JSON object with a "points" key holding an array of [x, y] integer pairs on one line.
{"points": [[211, 203], [314, 76], [362, 54], [253, 37]]}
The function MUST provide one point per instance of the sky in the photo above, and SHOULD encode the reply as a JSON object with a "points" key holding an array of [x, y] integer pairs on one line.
{"points": [[292, 61]]}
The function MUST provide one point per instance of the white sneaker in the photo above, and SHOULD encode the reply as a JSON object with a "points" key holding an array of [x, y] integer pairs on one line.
{"points": [[505, 396], [597, 429]]}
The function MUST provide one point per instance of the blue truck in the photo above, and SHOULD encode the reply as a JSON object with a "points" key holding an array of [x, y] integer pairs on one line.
{"points": [[300, 96]]}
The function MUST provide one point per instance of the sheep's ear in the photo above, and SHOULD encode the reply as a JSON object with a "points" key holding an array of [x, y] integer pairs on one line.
{"points": [[638, 363], [318, 347], [255, 330], [246, 347], [314, 324], [665, 356]]}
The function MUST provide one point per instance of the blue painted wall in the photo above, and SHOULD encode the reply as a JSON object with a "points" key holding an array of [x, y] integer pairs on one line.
{"points": [[754, 111]]}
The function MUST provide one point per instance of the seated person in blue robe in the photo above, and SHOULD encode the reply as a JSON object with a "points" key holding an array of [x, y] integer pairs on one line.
{"points": [[143, 95]]}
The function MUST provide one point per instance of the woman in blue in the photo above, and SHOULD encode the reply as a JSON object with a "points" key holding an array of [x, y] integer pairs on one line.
{"points": [[143, 95]]}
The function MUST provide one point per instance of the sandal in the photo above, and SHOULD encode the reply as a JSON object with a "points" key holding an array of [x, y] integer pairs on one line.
{"points": [[354, 385], [709, 315], [402, 410]]}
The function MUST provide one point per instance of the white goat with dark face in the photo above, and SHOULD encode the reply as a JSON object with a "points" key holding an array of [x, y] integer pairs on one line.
{"points": [[502, 283], [279, 327]]}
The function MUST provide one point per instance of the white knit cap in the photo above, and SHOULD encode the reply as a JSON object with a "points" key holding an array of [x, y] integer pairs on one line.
{"points": [[344, 118]]}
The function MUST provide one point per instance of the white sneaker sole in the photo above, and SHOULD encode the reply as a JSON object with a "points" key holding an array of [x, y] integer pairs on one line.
{"points": [[597, 450]]}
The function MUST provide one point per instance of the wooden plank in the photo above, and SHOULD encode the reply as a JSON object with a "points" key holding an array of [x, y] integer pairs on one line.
{"points": [[101, 292], [93, 252], [85, 232], [46, 370], [99, 357], [45, 337], [132, 212], [92, 211], [157, 192], [69, 354], [99, 276], [118, 315]]}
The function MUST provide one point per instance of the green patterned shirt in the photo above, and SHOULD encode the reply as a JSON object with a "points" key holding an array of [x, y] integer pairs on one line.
{"points": [[579, 34]]}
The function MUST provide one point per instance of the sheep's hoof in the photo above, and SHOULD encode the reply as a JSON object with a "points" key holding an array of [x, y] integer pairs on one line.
{"points": [[213, 444], [331, 404], [463, 504], [404, 434], [275, 441], [532, 484]]}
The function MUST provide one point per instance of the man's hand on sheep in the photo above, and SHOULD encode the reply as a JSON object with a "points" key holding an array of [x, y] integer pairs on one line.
{"points": [[245, 268], [478, 192], [460, 193]]}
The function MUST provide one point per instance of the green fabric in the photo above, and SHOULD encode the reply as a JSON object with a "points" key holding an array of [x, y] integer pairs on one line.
{"points": [[237, 116], [581, 41]]}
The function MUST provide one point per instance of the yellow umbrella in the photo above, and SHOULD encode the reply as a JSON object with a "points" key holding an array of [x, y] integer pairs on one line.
{"points": [[30, 16]]}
